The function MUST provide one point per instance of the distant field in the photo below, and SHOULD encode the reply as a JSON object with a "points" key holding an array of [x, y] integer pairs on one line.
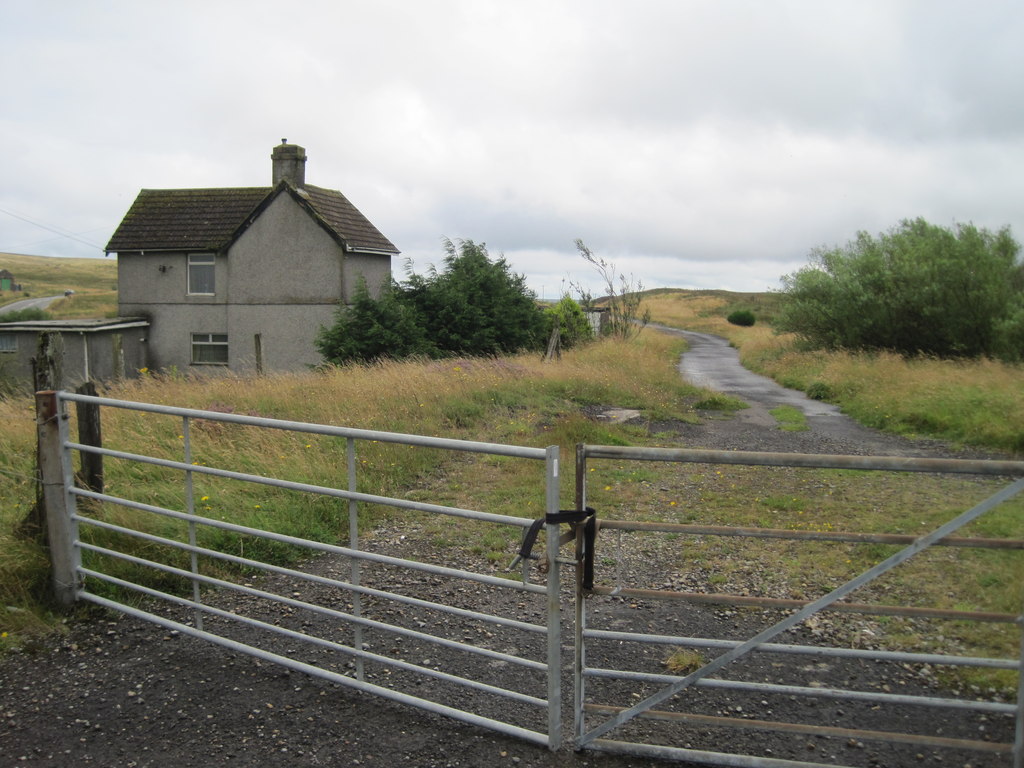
{"points": [[94, 282]]}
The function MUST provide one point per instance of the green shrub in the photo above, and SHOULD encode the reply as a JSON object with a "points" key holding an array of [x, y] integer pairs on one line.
{"points": [[476, 306], [574, 326], [24, 315], [742, 317], [918, 289], [819, 390]]}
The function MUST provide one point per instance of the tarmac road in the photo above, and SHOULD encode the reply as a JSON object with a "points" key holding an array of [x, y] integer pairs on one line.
{"points": [[22, 304], [710, 362]]}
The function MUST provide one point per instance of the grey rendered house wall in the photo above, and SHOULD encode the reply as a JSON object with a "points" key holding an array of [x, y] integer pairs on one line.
{"points": [[280, 281]]}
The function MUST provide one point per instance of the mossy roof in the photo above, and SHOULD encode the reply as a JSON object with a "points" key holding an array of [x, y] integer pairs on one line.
{"points": [[211, 219]]}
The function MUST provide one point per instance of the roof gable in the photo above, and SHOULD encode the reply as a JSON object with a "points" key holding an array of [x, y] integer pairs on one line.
{"points": [[212, 219]]}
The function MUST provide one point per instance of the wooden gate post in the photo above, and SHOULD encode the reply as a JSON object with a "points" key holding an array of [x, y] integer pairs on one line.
{"points": [[90, 433], [58, 504]]}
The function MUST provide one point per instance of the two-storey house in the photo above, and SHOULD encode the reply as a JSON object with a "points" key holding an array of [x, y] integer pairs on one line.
{"points": [[243, 278]]}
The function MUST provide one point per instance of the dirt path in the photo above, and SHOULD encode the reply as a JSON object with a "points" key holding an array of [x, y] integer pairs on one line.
{"points": [[114, 691]]}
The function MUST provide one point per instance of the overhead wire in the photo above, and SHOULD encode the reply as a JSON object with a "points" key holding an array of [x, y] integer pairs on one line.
{"points": [[48, 228]]}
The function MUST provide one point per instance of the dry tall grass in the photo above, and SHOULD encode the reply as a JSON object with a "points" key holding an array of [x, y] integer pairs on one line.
{"points": [[518, 400]]}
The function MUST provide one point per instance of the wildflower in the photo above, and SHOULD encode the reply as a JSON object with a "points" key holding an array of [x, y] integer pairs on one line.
{"points": [[205, 498]]}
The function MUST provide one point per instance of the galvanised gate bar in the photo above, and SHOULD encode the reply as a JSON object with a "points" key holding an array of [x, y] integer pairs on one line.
{"points": [[661, 712], [358, 621]]}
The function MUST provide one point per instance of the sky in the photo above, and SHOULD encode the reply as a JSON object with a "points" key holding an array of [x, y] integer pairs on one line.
{"points": [[690, 143]]}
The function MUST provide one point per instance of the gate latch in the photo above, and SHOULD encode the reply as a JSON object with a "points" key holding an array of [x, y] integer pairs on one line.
{"points": [[586, 516]]}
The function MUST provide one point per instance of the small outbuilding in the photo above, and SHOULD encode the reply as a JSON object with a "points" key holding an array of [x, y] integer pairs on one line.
{"points": [[7, 282], [87, 350]]}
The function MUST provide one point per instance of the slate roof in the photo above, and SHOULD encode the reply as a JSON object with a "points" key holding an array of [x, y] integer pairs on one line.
{"points": [[211, 219]]}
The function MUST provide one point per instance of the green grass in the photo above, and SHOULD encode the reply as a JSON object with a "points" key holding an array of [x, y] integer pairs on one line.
{"points": [[94, 282], [790, 419]]}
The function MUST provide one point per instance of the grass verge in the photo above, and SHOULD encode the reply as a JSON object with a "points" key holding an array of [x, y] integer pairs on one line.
{"points": [[517, 400]]}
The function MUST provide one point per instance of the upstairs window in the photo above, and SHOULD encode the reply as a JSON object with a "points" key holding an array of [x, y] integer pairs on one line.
{"points": [[8, 342], [200, 274], [209, 349]]}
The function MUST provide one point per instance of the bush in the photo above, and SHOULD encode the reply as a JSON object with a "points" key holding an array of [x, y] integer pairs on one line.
{"points": [[475, 307], [917, 289], [24, 315], [574, 327], [819, 390], [742, 317], [370, 329]]}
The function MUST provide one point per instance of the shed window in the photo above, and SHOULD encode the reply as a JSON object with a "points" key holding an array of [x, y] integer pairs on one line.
{"points": [[201, 274], [210, 348], [8, 342]]}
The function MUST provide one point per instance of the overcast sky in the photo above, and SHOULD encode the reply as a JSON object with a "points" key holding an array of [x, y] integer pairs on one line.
{"points": [[704, 144]]}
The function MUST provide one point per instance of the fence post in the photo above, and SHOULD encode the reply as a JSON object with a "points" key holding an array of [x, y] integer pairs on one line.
{"points": [[90, 433], [554, 652], [51, 432]]}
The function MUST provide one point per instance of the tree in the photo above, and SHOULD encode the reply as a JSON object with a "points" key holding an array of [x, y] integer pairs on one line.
{"points": [[917, 289], [573, 324], [370, 329], [475, 306], [624, 299]]}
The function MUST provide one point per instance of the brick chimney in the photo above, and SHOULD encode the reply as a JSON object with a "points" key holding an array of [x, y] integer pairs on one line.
{"points": [[289, 162]]}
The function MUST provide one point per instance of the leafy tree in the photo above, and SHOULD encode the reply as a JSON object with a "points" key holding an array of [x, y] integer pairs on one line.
{"points": [[372, 329], [475, 306], [626, 318], [574, 326], [917, 289]]}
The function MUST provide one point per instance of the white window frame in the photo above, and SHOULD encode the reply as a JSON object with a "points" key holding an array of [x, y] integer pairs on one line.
{"points": [[202, 265], [209, 345], [8, 342]]}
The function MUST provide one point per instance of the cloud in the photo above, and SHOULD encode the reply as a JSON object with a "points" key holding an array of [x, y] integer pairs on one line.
{"points": [[707, 143]]}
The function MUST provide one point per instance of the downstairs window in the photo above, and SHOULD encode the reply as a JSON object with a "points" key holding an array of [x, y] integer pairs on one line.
{"points": [[209, 349]]}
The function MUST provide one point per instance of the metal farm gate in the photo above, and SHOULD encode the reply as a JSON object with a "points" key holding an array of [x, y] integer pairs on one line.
{"points": [[792, 689], [356, 615]]}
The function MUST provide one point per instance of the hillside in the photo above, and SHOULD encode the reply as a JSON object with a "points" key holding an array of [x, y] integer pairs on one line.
{"points": [[94, 282]]}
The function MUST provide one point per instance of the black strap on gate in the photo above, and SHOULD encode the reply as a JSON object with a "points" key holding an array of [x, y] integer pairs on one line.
{"points": [[587, 516]]}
